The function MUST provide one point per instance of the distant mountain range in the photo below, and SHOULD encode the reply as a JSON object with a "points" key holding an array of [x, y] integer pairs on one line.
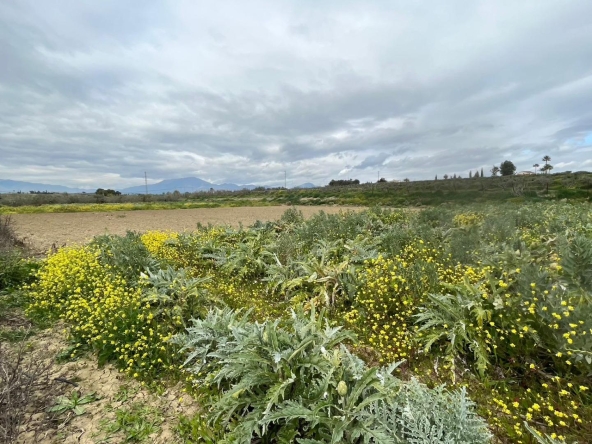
{"points": [[12, 186], [307, 185], [186, 184], [193, 184]]}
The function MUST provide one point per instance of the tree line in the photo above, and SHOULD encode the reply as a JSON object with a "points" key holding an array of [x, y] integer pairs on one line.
{"points": [[107, 192], [506, 168], [343, 182]]}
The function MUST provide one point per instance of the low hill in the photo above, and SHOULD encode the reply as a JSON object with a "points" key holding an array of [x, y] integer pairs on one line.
{"points": [[306, 185], [184, 185]]}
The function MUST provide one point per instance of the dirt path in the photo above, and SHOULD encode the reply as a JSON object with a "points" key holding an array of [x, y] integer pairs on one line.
{"points": [[47, 229]]}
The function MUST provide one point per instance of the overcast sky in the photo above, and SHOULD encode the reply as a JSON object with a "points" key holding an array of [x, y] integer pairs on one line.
{"points": [[94, 93]]}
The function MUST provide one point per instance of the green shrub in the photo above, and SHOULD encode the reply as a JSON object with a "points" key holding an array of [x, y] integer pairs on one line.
{"points": [[299, 383], [457, 321], [577, 263], [14, 268], [126, 253]]}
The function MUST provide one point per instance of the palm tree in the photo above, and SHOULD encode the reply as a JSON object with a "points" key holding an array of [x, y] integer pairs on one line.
{"points": [[536, 165], [547, 167]]}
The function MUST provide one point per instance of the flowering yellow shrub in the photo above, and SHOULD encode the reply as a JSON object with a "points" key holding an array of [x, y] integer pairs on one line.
{"points": [[71, 272], [468, 219], [181, 250], [557, 405], [159, 245], [244, 294], [102, 311], [392, 291]]}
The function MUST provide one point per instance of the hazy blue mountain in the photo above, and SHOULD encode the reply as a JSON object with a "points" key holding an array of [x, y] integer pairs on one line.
{"points": [[11, 186], [307, 185], [184, 185]]}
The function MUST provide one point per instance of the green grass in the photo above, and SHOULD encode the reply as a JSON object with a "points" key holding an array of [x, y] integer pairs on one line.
{"points": [[105, 207], [74, 403], [134, 423], [15, 335], [195, 430]]}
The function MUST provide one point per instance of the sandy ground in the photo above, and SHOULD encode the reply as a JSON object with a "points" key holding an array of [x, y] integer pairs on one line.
{"points": [[42, 231], [114, 391]]}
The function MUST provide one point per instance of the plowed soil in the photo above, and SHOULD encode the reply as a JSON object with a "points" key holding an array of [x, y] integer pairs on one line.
{"points": [[46, 230]]}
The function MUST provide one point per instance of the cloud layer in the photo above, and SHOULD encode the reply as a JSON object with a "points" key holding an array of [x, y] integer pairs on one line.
{"points": [[95, 93]]}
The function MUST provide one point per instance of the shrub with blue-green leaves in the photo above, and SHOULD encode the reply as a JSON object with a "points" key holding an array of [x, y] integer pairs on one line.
{"points": [[299, 383]]}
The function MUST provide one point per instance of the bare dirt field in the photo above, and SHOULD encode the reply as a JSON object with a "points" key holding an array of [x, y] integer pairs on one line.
{"points": [[44, 230]]}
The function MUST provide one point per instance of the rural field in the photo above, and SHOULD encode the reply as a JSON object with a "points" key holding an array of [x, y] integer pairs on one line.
{"points": [[43, 230], [449, 324]]}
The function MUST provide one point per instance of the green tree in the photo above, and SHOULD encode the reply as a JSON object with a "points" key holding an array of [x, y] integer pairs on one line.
{"points": [[507, 168], [342, 182], [535, 166], [107, 192], [494, 171], [546, 168]]}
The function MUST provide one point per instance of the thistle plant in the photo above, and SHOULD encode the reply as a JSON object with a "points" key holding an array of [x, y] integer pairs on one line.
{"points": [[457, 320], [299, 383]]}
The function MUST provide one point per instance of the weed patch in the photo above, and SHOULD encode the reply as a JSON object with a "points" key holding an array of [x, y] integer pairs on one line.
{"points": [[134, 423]]}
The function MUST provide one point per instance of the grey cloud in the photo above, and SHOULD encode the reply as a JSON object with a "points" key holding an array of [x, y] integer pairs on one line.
{"points": [[372, 161], [242, 91]]}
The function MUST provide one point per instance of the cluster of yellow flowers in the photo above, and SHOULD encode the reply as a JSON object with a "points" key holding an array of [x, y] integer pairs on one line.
{"points": [[468, 219], [392, 291], [531, 236], [554, 405], [242, 293], [160, 244], [102, 311], [181, 250], [391, 217]]}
